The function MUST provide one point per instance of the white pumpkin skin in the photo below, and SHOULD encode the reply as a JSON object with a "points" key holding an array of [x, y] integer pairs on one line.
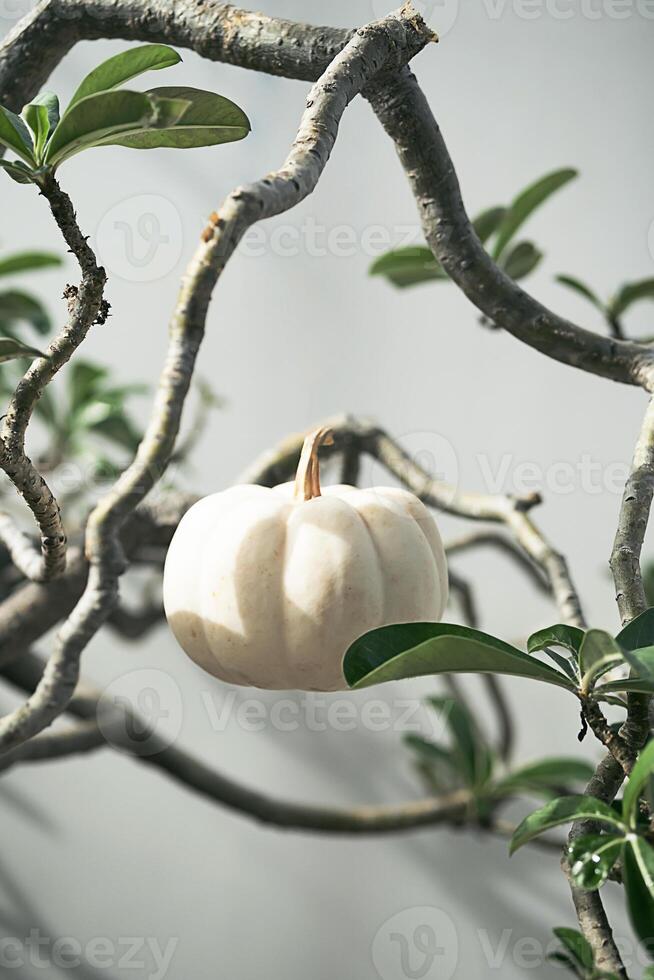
{"points": [[265, 590]]}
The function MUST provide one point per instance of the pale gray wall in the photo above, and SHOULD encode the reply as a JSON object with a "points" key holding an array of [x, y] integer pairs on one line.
{"points": [[292, 340]]}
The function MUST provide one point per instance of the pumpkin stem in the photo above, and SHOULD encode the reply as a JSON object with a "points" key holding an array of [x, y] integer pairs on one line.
{"points": [[307, 479]]}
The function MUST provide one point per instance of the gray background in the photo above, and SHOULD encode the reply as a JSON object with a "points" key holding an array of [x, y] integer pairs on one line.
{"points": [[105, 848]]}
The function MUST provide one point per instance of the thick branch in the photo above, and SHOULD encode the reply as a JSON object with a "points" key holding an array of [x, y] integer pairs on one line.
{"points": [[407, 118]]}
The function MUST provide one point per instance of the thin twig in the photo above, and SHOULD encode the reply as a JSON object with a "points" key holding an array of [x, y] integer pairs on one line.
{"points": [[85, 307]]}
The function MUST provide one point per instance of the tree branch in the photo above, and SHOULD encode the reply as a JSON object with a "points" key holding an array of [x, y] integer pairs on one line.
{"points": [[85, 307], [406, 116]]}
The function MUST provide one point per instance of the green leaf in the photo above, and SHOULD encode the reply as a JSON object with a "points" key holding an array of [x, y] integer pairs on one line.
{"points": [[638, 633], [207, 120], [409, 266], [469, 748], [579, 287], [579, 948], [640, 776], [566, 809], [418, 649], [116, 427], [15, 135], [18, 171], [550, 774], [10, 349], [526, 203], [630, 294], [598, 653], [18, 307], [85, 382], [570, 637], [522, 260], [638, 876], [430, 752], [42, 117], [487, 223], [592, 857], [123, 67], [96, 117], [27, 261], [628, 685]]}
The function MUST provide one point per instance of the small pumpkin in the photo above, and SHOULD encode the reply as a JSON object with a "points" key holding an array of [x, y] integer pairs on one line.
{"points": [[269, 587]]}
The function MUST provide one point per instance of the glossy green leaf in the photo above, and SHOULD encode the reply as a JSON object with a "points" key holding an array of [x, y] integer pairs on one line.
{"points": [[638, 877], [96, 117], [551, 774], [598, 653], [207, 120], [592, 857], [522, 260], [18, 171], [409, 266], [630, 294], [42, 117], [36, 117], [27, 262], [11, 349], [640, 776], [18, 307], [638, 633], [577, 946], [566, 809], [579, 287], [570, 637], [123, 67], [487, 223], [420, 649], [526, 203], [15, 135]]}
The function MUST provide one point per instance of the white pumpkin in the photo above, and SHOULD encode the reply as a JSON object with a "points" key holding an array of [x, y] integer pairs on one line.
{"points": [[269, 587]]}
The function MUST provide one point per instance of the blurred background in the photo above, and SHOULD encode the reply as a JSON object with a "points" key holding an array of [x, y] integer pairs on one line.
{"points": [[298, 332]]}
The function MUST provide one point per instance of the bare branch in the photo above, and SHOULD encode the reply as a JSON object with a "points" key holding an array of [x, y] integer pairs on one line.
{"points": [[86, 307], [83, 737], [493, 539], [406, 116], [634, 517]]}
